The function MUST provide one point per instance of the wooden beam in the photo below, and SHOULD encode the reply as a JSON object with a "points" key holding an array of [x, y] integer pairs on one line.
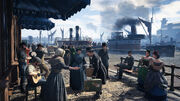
{"points": [[5, 46]]}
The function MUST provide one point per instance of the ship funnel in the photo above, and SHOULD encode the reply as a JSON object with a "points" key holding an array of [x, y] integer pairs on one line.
{"points": [[77, 33], [70, 34], [133, 30]]}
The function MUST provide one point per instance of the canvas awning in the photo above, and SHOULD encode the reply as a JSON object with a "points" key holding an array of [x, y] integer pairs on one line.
{"points": [[35, 23], [58, 9], [68, 7]]}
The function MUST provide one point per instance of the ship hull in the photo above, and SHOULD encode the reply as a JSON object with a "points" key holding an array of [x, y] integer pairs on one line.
{"points": [[124, 45]]}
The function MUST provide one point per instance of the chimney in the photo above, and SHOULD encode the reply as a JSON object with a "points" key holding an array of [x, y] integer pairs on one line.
{"points": [[70, 33], [163, 22], [77, 33], [133, 29]]}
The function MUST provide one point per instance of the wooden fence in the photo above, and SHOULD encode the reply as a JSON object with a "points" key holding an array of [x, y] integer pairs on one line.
{"points": [[171, 73]]}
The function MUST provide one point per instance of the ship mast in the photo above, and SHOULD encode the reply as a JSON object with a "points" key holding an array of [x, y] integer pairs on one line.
{"points": [[150, 34]]}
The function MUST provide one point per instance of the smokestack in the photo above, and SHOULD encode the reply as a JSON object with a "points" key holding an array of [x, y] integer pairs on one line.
{"points": [[77, 33], [133, 30], [70, 33]]}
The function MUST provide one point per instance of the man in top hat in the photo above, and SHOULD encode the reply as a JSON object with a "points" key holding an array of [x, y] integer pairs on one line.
{"points": [[99, 69], [96, 63], [103, 54]]}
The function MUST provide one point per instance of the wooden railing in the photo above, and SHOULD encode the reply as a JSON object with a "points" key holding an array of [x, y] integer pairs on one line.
{"points": [[172, 73]]}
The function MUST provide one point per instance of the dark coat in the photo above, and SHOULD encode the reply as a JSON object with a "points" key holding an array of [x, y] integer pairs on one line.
{"points": [[55, 88], [104, 57], [77, 76], [99, 69], [130, 61], [21, 56], [73, 52], [67, 57]]}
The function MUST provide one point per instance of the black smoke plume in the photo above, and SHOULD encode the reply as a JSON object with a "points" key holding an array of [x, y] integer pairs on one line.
{"points": [[120, 23]]}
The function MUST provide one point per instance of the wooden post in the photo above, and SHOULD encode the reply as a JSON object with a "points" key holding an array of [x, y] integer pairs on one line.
{"points": [[4, 95], [172, 78], [5, 45]]}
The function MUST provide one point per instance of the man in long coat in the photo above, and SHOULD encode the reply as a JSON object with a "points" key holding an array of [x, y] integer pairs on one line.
{"points": [[22, 59], [96, 63], [99, 69], [103, 54]]}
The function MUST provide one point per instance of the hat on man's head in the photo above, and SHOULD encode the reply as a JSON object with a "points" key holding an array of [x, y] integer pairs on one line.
{"points": [[78, 49], [129, 52], [89, 49], [104, 44], [22, 44], [40, 45]]}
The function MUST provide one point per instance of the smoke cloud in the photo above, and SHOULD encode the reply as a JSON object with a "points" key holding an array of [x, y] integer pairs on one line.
{"points": [[120, 23], [114, 10]]}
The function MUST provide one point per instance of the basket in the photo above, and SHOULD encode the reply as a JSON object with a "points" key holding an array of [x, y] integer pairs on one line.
{"points": [[89, 72]]}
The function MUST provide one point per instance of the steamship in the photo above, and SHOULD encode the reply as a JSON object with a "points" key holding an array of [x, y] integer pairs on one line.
{"points": [[76, 41], [118, 42], [133, 41]]}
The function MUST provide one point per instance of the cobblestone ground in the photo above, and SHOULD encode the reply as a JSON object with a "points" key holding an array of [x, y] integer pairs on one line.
{"points": [[114, 90], [124, 90]]}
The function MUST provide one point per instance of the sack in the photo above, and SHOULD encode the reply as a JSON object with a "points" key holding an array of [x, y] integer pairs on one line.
{"points": [[89, 72], [93, 85]]}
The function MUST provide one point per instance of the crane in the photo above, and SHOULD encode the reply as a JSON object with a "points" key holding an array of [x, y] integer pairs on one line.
{"points": [[62, 33], [40, 34], [101, 35], [149, 27], [50, 37]]}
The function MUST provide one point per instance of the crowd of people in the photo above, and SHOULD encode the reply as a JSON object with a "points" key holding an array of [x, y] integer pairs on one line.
{"points": [[32, 63]]}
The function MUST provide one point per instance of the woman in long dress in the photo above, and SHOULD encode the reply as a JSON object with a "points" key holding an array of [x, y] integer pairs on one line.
{"points": [[55, 88], [155, 83], [143, 69], [77, 77]]}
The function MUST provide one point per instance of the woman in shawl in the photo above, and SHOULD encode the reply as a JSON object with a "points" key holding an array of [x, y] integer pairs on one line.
{"points": [[55, 88], [155, 83]]}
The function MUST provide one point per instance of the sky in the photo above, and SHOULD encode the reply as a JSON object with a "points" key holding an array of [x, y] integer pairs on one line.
{"points": [[101, 15]]}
